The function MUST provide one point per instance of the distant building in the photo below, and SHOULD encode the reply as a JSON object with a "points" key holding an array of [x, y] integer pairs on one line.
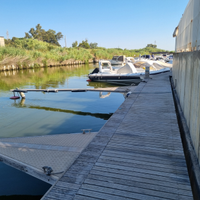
{"points": [[2, 42]]}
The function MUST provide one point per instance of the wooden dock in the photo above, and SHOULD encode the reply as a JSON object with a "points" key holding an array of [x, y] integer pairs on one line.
{"points": [[122, 89], [137, 154]]}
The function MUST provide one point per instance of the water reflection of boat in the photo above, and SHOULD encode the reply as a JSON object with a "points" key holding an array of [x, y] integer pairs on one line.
{"points": [[100, 84], [126, 75], [102, 96]]}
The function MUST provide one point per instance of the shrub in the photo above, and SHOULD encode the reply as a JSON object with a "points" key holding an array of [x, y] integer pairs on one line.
{"points": [[44, 62]]}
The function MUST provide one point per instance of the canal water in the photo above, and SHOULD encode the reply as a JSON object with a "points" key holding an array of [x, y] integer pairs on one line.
{"points": [[48, 113]]}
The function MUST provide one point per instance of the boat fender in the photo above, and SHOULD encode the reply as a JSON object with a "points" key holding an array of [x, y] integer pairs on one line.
{"points": [[14, 97], [128, 94]]}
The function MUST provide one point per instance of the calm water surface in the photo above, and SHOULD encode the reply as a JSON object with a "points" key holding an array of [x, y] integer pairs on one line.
{"points": [[49, 113]]}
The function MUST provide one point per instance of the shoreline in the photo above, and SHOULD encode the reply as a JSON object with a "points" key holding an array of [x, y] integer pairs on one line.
{"points": [[12, 67]]}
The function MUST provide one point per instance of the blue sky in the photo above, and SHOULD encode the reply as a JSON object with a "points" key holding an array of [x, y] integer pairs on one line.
{"points": [[130, 24]]}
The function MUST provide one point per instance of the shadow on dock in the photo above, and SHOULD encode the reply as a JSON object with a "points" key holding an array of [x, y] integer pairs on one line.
{"points": [[103, 116]]}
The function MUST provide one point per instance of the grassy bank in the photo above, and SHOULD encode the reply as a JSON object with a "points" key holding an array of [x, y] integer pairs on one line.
{"points": [[28, 53], [25, 52]]}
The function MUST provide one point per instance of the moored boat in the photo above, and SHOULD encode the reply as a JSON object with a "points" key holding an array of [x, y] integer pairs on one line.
{"points": [[107, 73], [126, 75]]}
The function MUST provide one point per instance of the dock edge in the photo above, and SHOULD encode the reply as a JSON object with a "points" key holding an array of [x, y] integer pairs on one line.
{"points": [[190, 155]]}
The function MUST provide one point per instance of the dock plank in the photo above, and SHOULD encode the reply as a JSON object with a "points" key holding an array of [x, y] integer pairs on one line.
{"points": [[158, 166], [181, 184], [137, 183], [141, 157], [134, 189], [136, 173], [117, 192]]}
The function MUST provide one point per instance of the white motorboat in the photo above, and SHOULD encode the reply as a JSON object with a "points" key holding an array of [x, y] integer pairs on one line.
{"points": [[126, 75]]}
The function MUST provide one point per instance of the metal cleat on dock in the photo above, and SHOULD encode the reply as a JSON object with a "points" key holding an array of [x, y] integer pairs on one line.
{"points": [[84, 130], [47, 170]]}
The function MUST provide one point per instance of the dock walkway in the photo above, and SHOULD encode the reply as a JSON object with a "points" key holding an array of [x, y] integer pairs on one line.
{"points": [[137, 154]]}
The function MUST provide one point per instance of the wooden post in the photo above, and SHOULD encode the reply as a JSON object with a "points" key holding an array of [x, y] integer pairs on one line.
{"points": [[22, 95], [147, 72]]}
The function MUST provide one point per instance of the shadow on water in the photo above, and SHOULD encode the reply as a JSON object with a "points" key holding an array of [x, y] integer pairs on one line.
{"points": [[22, 104]]}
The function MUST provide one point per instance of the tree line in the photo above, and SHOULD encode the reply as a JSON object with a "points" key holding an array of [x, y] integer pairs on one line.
{"points": [[52, 37], [49, 36], [85, 44]]}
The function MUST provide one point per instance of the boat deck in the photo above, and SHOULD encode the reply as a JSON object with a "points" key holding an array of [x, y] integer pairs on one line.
{"points": [[137, 154]]}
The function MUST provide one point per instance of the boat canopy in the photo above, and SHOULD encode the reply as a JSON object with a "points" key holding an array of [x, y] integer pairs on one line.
{"points": [[119, 58], [126, 69], [151, 63], [106, 67]]}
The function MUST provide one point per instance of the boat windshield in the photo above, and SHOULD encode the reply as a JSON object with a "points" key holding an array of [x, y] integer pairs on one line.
{"points": [[114, 57], [120, 58], [105, 66]]}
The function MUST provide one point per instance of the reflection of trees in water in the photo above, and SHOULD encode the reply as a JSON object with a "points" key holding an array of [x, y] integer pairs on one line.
{"points": [[41, 78], [22, 104]]}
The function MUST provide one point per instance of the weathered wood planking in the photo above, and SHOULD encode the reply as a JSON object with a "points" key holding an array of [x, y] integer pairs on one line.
{"points": [[138, 153]]}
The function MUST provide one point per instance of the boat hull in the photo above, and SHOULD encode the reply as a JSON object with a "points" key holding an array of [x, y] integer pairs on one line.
{"points": [[122, 80]]}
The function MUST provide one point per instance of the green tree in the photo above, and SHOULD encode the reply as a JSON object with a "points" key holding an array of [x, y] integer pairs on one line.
{"points": [[75, 44], [93, 45], [8, 42], [49, 36], [151, 45], [27, 35], [84, 44]]}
